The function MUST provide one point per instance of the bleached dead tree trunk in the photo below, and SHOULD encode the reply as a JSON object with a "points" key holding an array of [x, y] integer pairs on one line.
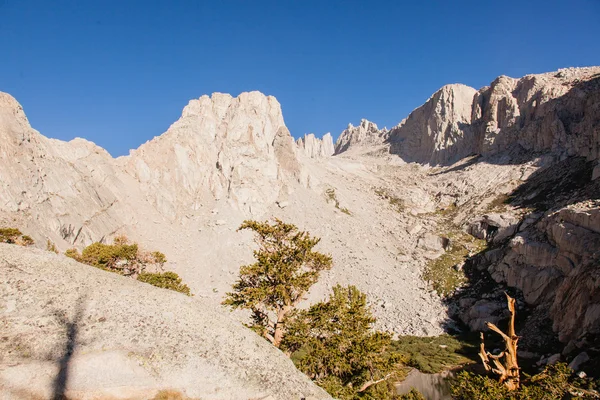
{"points": [[505, 364]]}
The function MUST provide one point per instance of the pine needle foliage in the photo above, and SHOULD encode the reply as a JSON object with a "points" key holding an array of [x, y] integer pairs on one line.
{"points": [[50, 246], [334, 344], [286, 267], [414, 394], [109, 256]]}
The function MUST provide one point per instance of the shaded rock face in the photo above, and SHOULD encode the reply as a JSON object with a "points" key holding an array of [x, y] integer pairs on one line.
{"points": [[314, 147], [493, 227], [553, 112], [551, 253], [554, 263], [365, 134], [77, 331]]}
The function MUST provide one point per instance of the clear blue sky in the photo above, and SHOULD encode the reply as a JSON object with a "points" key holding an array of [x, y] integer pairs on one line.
{"points": [[119, 72]]}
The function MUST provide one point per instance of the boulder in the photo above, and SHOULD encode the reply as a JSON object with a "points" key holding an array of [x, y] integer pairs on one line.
{"points": [[493, 227], [579, 360], [433, 242]]}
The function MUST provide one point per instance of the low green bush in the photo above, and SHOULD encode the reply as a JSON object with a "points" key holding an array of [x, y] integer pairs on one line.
{"points": [[109, 256], [556, 382], [14, 236], [159, 257], [127, 259], [9, 235], [332, 196], [27, 241], [166, 280], [50, 246], [414, 394]]}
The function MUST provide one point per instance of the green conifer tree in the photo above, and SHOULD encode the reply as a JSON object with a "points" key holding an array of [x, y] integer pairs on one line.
{"points": [[286, 267], [333, 343]]}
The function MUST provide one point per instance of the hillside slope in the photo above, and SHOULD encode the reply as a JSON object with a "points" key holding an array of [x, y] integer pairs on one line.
{"points": [[68, 328]]}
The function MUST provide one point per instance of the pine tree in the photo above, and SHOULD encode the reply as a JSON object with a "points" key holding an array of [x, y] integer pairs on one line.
{"points": [[333, 343], [286, 267]]}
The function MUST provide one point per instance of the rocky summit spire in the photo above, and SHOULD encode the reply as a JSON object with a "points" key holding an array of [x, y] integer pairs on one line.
{"points": [[314, 147], [434, 133], [223, 148], [366, 133]]}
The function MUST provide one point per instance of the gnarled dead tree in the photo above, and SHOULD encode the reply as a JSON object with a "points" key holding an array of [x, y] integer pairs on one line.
{"points": [[504, 364]]}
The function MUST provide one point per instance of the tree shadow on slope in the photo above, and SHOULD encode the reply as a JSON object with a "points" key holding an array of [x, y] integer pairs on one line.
{"points": [[72, 330], [570, 111], [59, 385]]}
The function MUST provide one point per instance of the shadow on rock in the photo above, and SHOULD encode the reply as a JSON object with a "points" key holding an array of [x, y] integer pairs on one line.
{"points": [[548, 263], [72, 330]]}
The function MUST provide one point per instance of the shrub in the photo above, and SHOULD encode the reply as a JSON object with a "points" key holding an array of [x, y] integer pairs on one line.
{"points": [[556, 382], [414, 394], [333, 343], [159, 258], [26, 241], [286, 267], [127, 259], [332, 196], [9, 235], [112, 257], [169, 394], [14, 236], [74, 254], [50, 246], [165, 280]]}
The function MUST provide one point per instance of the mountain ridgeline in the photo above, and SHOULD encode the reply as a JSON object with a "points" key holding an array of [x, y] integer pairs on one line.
{"points": [[475, 193]]}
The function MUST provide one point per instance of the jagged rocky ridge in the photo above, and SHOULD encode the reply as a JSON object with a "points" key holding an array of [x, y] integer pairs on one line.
{"points": [[314, 147], [366, 134], [186, 191], [221, 148], [553, 112], [228, 159]]}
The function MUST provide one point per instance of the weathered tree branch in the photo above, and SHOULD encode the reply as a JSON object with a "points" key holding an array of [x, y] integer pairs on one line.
{"points": [[508, 370], [368, 384]]}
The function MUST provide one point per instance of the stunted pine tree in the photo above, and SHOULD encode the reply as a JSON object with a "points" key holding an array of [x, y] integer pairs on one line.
{"points": [[334, 344], [286, 267]]}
